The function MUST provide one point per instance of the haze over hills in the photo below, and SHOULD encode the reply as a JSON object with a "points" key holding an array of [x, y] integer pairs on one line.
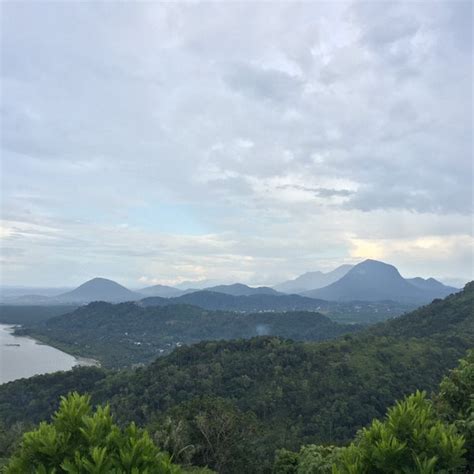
{"points": [[214, 300], [163, 291], [235, 289], [368, 281], [431, 284], [239, 289], [372, 280], [197, 284], [312, 280]]}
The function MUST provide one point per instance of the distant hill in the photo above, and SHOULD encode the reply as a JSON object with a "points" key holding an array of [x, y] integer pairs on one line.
{"points": [[430, 284], [312, 280], [161, 290], [239, 289], [124, 334], [372, 280], [440, 318], [345, 312], [99, 289], [213, 300], [197, 284]]}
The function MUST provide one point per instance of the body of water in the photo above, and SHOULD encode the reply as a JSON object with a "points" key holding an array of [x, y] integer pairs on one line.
{"points": [[23, 357]]}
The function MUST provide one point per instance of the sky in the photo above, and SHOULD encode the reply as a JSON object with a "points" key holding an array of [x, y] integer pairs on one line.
{"points": [[160, 142]]}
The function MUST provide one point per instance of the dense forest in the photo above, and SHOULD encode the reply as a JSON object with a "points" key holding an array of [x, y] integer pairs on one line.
{"points": [[255, 396], [124, 334], [417, 435]]}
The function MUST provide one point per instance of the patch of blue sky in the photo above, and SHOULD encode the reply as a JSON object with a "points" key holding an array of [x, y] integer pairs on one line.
{"points": [[171, 218]]}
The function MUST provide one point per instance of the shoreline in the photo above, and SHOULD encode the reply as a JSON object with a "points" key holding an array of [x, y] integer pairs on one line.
{"points": [[84, 361], [79, 361]]}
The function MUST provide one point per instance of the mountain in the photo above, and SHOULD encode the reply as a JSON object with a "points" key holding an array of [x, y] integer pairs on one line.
{"points": [[239, 289], [312, 280], [99, 289], [372, 280], [161, 290], [430, 284]]}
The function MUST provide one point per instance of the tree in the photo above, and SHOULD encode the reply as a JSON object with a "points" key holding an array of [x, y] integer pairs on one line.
{"points": [[311, 459], [79, 441], [455, 402], [410, 440], [208, 432]]}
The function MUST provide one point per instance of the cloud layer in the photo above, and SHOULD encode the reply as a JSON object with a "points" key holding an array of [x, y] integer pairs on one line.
{"points": [[249, 141]]}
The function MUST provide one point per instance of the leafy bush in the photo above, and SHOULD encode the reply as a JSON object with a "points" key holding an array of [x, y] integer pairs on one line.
{"points": [[411, 439], [455, 402], [80, 441]]}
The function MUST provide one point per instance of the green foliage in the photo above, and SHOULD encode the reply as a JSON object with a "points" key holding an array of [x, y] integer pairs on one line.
{"points": [[455, 402], [286, 462], [318, 459], [36, 398], [9, 440], [79, 441], [311, 459], [410, 440]]}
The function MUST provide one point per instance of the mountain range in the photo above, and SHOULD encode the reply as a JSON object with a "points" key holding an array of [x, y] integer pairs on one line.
{"points": [[370, 280]]}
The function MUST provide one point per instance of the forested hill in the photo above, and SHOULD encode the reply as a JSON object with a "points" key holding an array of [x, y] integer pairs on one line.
{"points": [[348, 311], [271, 393], [125, 334], [214, 300], [453, 314]]}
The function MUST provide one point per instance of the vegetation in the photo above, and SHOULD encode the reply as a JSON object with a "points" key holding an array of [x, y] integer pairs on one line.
{"points": [[411, 439], [455, 403], [349, 311], [126, 334], [36, 398], [226, 404], [415, 436], [80, 441]]}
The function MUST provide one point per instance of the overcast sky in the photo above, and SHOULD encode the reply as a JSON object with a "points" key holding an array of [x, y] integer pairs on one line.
{"points": [[155, 143]]}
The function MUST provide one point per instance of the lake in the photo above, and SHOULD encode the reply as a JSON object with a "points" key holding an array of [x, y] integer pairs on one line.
{"points": [[23, 357]]}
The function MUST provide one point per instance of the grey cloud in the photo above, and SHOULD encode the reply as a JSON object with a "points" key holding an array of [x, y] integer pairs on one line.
{"points": [[320, 192], [260, 83]]}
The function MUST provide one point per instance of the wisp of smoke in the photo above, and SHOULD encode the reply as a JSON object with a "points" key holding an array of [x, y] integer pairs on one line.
{"points": [[263, 329]]}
